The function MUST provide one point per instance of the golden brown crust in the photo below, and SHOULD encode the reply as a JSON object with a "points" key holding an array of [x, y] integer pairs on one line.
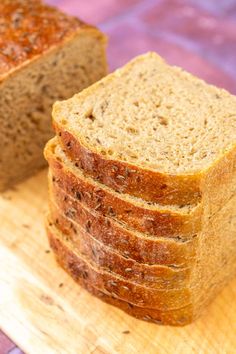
{"points": [[149, 185], [158, 222], [178, 317], [30, 28], [140, 247], [136, 294], [155, 276]]}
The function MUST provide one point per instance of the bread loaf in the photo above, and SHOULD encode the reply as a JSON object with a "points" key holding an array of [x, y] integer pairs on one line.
{"points": [[45, 56], [146, 156]]}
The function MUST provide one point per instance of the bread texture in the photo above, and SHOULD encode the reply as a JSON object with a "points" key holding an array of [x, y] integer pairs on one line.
{"points": [[214, 260], [142, 189], [45, 56], [150, 130], [116, 292], [68, 260], [126, 290], [153, 276], [215, 265], [213, 246], [143, 248], [151, 218]]}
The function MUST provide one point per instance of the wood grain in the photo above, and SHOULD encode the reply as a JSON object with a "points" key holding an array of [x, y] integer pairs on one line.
{"points": [[51, 314]]}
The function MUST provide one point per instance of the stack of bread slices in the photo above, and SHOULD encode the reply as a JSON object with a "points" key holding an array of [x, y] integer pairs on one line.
{"points": [[142, 184]]}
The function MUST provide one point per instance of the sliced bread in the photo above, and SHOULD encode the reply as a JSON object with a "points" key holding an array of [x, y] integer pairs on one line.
{"points": [[213, 247], [130, 291], [153, 276], [143, 248], [152, 218], [193, 301], [151, 130], [68, 260]]}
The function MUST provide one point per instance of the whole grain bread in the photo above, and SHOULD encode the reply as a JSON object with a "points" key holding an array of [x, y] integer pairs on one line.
{"points": [[215, 261], [143, 248], [172, 221], [68, 260], [215, 266], [213, 247], [151, 149], [150, 130], [45, 56], [153, 276], [126, 290]]}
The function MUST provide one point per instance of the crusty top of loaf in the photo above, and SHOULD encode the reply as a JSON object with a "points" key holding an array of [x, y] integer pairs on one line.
{"points": [[29, 28], [154, 116]]}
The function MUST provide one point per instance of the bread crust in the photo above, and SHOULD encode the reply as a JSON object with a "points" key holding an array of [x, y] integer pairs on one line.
{"points": [[127, 242], [167, 188], [30, 29], [147, 184], [153, 276], [158, 222], [178, 317], [116, 286]]}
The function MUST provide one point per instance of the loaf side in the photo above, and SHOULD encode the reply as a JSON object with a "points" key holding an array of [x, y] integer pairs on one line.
{"points": [[168, 221], [69, 261], [144, 248]]}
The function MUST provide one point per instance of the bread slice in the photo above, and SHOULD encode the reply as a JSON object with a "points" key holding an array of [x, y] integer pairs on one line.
{"points": [[150, 130], [68, 260], [209, 275], [126, 290], [212, 248], [143, 248], [152, 218], [71, 262], [45, 56], [154, 276]]}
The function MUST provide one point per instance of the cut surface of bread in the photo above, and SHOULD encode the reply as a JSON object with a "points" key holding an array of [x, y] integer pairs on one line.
{"points": [[45, 56], [143, 248], [149, 129], [68, 260], [146, 217]]}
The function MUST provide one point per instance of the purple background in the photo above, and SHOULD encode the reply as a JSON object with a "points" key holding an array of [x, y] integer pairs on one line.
{"points": [[199, 35]]}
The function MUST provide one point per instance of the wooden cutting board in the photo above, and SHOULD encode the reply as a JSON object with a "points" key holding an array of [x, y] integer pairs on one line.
{"points": [[44, 311]]}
